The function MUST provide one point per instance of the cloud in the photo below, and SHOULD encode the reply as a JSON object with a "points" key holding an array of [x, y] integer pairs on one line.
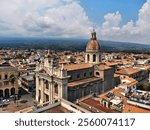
{"points": [[112, 19], [137, 31], [67, 18], [111, 24], [57, 18]]}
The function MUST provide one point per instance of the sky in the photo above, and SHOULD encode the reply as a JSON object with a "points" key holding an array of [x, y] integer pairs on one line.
{"points": [[114, 20]]}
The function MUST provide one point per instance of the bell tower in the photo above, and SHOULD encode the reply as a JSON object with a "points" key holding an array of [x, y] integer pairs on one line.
{"points": [[93, 50]]}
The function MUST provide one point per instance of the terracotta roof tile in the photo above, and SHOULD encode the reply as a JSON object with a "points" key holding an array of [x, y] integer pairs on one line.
{"points": [[83, 81], [96, 104], [77, 66], [130, 82], [110, 63], [103, 67], [128, 71], [116, 75], [93, 45], [134, 109]]}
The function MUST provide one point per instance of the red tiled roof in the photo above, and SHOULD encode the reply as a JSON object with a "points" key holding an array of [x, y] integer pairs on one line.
{"points": [[134, 109], [103, 67], [83, 81], [128, 71], [96, 104], [77, 66], [116, 75]]}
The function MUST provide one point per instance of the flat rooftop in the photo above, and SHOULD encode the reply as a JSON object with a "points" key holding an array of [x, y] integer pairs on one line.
{"points": [[29, 77]]}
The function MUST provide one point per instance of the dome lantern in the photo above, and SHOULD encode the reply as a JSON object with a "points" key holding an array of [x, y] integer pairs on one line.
{"points": [[93, 50]]}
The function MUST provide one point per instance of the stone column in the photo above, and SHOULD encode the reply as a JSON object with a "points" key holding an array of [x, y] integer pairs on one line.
{"points": [[86, 60], [91, 58], [65, 91], [97, 58], [50, 92], [60, 91], [37, 88], [42, 91]]}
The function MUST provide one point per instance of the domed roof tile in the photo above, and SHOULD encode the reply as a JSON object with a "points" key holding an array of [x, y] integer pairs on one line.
{"points": [[93, 44]]}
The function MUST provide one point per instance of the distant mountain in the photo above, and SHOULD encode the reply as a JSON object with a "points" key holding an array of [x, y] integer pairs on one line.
{"points": [[125, 46], [70, 44]]}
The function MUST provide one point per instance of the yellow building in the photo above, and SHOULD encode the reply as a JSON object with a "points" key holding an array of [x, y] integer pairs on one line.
{"points": [[8, 80]]}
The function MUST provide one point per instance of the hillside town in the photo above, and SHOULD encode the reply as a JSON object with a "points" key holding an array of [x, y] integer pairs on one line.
{"points": [[92, 81]]}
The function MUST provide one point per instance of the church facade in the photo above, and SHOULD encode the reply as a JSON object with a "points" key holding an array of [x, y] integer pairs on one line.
{"points": [[74, 81]]}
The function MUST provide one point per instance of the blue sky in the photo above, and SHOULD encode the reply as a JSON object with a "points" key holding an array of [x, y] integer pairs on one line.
{"points": [[115, 20], [96, 9]]}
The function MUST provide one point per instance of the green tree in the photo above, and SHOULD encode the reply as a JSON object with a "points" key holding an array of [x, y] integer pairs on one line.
{"points": [[140, 86], [143, 86], [146, 87], [12, 79]]}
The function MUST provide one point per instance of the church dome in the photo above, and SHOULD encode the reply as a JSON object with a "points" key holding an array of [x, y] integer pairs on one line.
{"points": [[93, 44]]}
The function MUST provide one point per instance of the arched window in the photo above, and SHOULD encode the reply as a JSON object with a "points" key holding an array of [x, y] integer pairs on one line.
{"points": [[91, 73], [39, 98], [47, 97], [56, 88], [85, 74], [6, 93], [104, 104], [70, 77], [47, 85], [88, 57], [97, 73], [78, 75], [1, 93], [12, 91], [6, 76], [94, 58]]}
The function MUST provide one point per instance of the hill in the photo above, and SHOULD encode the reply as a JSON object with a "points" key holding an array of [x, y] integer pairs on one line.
{"points": [[70, 44]]}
